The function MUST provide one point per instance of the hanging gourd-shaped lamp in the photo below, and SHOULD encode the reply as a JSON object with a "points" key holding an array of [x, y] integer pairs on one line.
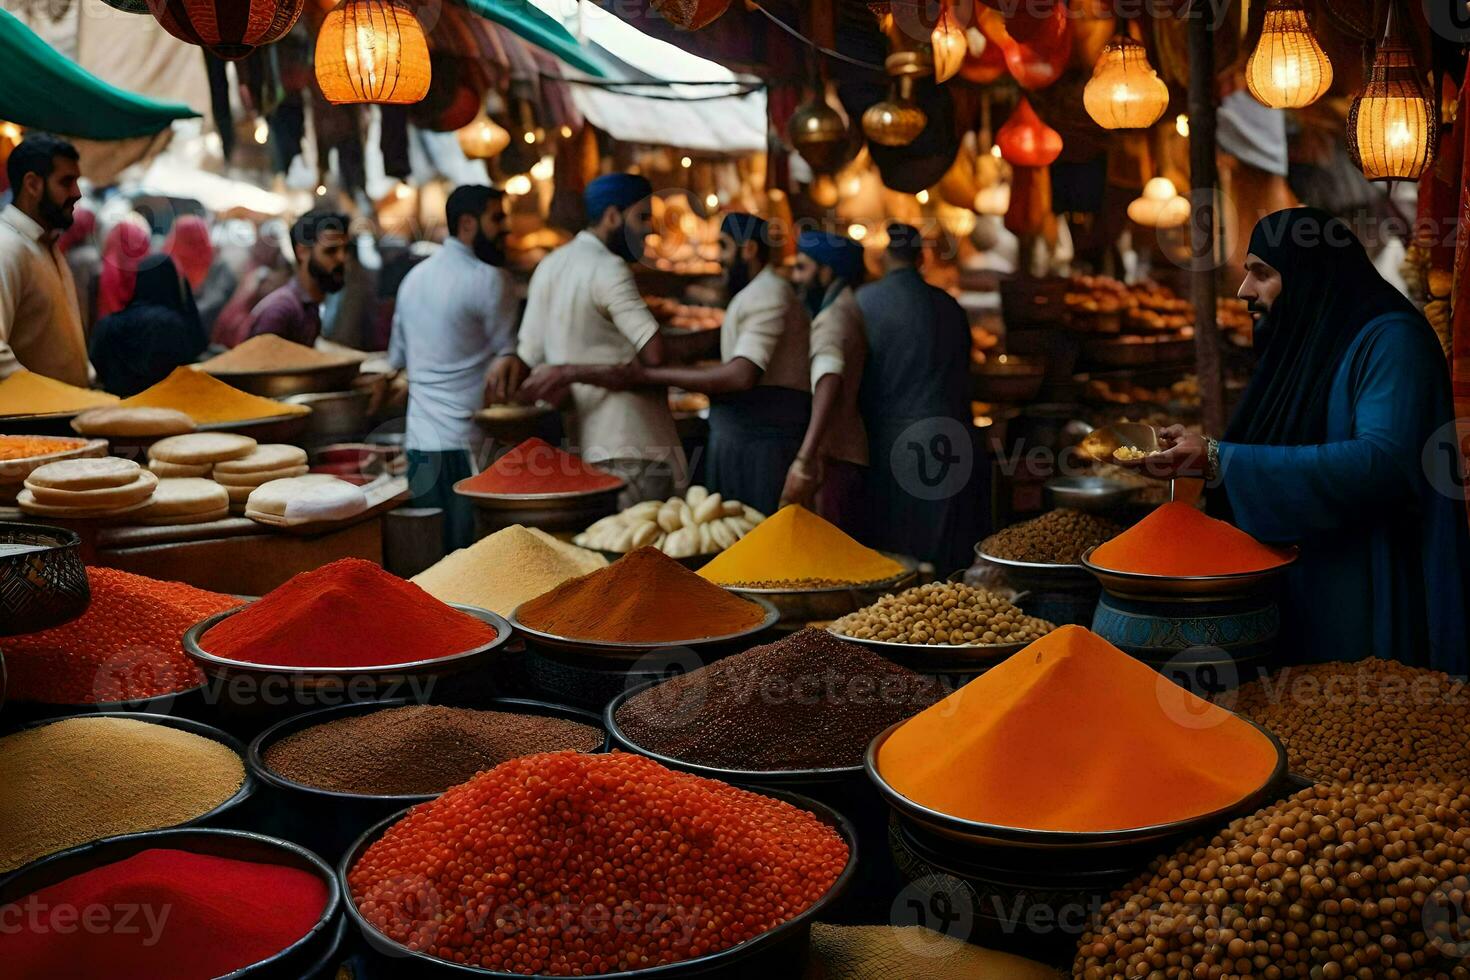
{"points": [[230, 29], [950, 44], [1026, 141], [1160, 205], [818, 133], [897, 121], [1125, 92], [1288, 69], [483, 138], [1393, 125], [372, 51]]}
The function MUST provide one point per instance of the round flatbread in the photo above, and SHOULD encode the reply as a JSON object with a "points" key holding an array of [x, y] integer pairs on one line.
{"points": [[305, 499], [173, 471], [30, 505], [132, 422], [202, 447], [103, 498], [204, 518], [191, 495], [267, 458], [257, 479], [85, 474]]}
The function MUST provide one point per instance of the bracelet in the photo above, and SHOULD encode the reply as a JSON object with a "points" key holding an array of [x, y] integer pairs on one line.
{"points": [[1212, 460]]}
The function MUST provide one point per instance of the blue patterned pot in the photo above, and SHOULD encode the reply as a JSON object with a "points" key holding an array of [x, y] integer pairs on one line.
{"points": [[1208, 647]]}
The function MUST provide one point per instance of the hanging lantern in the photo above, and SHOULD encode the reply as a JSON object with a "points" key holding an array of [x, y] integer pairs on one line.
{"points": [[691, 15], [483, 138], [959, 222], [230, 29], [1288, 69], [129, 6], [994, 201], [1125, 92], [985, 61], [1026, 141], [1160, 205], [897, 121], [950, 45], [823, 191], [372, 51], [817, 132], [1393, 125]]}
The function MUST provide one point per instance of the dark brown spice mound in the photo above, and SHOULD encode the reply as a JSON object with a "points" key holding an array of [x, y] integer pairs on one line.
{"points": [[418, 749], [809, 701]]}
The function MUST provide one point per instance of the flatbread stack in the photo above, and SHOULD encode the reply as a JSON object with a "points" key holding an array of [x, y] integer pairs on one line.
{"points": [[195, 454], [185, 500], [132, 422], [312, 499], [273, 461], [108, 486]]}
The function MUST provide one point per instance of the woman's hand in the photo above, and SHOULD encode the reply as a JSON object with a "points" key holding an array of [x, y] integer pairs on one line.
{"points": [[1182, 454]]}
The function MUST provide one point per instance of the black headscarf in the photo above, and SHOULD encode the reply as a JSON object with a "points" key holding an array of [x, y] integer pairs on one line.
{"points": [[1330, 291], [156, 332]]}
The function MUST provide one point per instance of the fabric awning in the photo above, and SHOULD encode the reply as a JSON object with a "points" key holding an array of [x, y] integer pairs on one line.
{"points": [[42, 89], [539, 29]]}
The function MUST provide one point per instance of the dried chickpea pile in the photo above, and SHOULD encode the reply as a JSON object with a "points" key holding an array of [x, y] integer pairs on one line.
{"points": [[1370, 721], [948, 613], [1058, 537], [566, 864], [1336, 881]]}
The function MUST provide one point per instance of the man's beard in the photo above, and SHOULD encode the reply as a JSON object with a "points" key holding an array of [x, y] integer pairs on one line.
{"points": [[489, 250], [58, 217], [327, 282], [621, 243], [737, 278], [812, 295]]}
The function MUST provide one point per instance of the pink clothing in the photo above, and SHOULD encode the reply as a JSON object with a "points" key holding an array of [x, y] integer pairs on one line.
{"points": [[188, 244], [125, 250]]}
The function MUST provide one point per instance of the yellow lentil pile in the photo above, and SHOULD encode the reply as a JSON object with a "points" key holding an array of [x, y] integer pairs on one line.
{"points": [[1336, 881], [943, 613], [1058, 537], [1370, 721]]}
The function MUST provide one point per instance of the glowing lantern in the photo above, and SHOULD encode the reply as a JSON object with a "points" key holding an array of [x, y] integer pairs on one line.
{"points": [[483, 138], [817, 132], [372, 51], [1288, 69], [959, 222], [897, 121], [950, 45], [1026, 141], [230, 29], [823, 191], [1393, 127], [1160, 205], [1125, 92], [691, 15], [994, 201]]}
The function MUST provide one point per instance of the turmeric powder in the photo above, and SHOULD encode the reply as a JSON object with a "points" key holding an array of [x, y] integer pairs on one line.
{"points": [[1072, 734], [796, 548], [1176, 539], [29, 393], [207, 400]]}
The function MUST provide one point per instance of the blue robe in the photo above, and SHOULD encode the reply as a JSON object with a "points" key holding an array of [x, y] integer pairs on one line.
{"points": [[1385, 553]]}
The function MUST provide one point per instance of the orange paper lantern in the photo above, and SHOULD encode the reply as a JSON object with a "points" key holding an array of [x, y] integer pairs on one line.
{"points": [[372, 51], [230, 29], [1026, 141]]}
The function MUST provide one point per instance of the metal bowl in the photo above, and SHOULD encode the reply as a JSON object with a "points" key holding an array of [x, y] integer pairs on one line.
{"points": [[336, 416], [273, 428], [295, 961], [928, 657], [776, 952], [798, 607], [1035, 576], [1100, 444], [309, 677], [638, 650], [281, 384], [1137, 585], [1093, 494], [44, 587], [1009, 378], [547, 511]]}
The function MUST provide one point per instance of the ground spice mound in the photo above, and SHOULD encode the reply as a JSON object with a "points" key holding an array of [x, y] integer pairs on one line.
{"points": [[1058, 537], [419, 749], [81, 779], [1073, 734], [504, 569], [173, 915], [29, 393], [125, 647], [570, 865], [1376, 721], [349, 613], [1336, 881], [1177, 539], [24, 447], [207, 400], [809, 701], [797, 549], [536, 466], [643, 597], [267, 352]]}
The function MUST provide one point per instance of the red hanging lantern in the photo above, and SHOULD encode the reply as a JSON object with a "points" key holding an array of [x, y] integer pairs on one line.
{"points": [[986, 61], [1030, 24], [230, 29], [1035, 64], [1026, 141], [691, 15]]}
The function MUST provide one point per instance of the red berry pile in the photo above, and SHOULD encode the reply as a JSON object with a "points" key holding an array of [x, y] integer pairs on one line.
{"points": [[565, 864]]}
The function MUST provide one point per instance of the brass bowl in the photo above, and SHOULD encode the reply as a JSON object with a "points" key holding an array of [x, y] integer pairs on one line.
{"points": [[1100, 444], [798, 607], [282, 384]]}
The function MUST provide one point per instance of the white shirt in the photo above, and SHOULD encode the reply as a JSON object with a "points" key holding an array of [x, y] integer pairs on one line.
{"points": [[766, 324], [40, 323], [454, 314], [839, 346], [584, 308]]}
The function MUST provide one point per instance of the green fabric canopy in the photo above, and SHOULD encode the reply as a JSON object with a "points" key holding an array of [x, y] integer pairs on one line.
{"points": [[542, 30], [42, 89]]}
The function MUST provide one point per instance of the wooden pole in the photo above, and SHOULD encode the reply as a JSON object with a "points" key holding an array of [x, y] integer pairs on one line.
{"points": [[1202, 180]]}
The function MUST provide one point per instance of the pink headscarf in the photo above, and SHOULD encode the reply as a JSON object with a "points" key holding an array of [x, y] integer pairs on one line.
{"points": [[189, 246], [123, 253], [83, 227]]}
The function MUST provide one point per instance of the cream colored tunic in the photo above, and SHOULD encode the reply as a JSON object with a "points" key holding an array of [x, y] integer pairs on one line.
{"points": [[840, 347], [766, 324], [40, 323]]}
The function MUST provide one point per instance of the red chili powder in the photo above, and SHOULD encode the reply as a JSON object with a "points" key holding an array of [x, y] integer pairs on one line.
{"points": [[350, 613], [162, 914], [536, 466]]}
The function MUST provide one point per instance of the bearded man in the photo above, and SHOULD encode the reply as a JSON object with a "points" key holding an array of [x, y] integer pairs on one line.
{"points": [[319, 240]]}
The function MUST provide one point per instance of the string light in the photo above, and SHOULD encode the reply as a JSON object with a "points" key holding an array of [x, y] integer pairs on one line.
{"points": [[544, 169], [922, 197], [1181, 125], [262, 131], [686, 163], [529, 136], [712, 201], [518, 185], [566, 132], [857, 232], [321, 190]]}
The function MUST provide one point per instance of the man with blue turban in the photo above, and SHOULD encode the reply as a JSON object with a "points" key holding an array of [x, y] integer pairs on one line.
{"points": [[760, 400], [585, 324], [829, 471]]}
